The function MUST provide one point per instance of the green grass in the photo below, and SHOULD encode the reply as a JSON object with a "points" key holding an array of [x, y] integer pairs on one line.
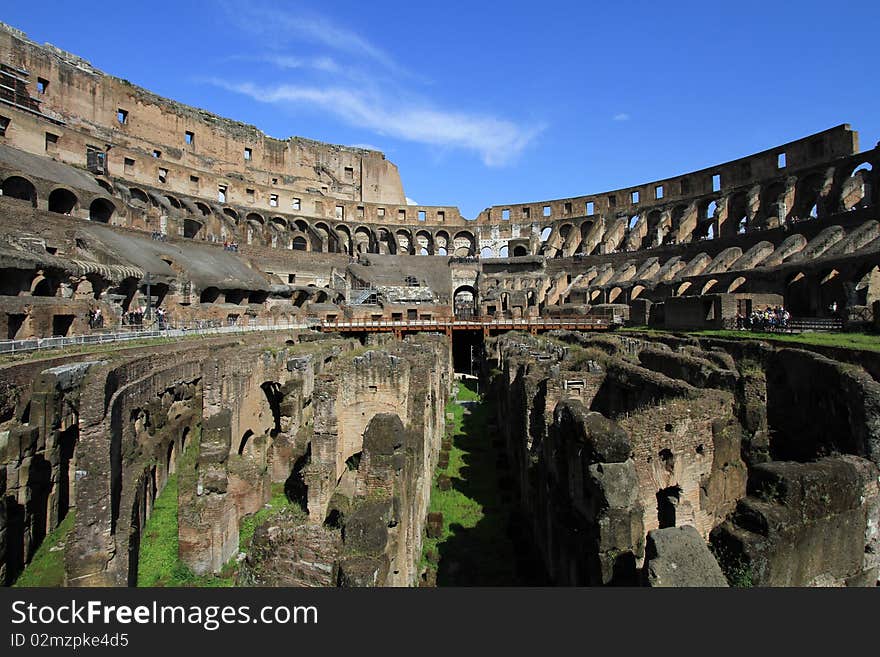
{"points": [[47, 566], [159, 563], [248, 524], [864, 341], [474, 547]]}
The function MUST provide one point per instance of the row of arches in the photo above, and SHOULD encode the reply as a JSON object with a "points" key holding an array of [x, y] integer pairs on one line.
{"points": [[811, 196], [60, 200]]}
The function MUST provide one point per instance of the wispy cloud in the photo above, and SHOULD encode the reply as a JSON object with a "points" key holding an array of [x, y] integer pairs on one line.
{"points": [[282, 26], [497, 141], [351, 78], [623, 116]]}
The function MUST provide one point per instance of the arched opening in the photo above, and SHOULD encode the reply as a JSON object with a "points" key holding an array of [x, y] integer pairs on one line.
{"points": [[209, 295], [667, 505], [545, 234], [191, 228], [464, 244], [633, 221], [465, 302], [101, 210], [736, 284], [442, 251], [709, 285], [232, 214], [299, 244], [520, 251], [245, 440], [170, 460], [20, 188], [62, 201], [486, 252], [140, 196], [503, 252], [203, 208]]}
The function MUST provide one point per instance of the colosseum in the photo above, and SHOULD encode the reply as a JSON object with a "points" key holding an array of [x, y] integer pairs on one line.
{"points": [[233, 359]]}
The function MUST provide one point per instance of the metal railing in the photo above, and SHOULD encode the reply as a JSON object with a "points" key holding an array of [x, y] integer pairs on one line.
{"points": [[56, 342]]}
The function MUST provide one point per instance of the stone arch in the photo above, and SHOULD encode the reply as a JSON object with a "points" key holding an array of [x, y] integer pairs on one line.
{"points": [[736, 284], [682, 288], [404, 240], [245, 442], [231, 213], [465, 301], [255, 218], [614, 293], [191, 228], [772, 208], [807, 196], [364, 240], [325, 239], [503, 252], [487, 252], [175, 203], [300, 243], [520, 251], [21, 188], [464, 244], [137, 194], [344, 238], [424, 242], [101, 210], [709, 285], [203, 208], [62, 201]]}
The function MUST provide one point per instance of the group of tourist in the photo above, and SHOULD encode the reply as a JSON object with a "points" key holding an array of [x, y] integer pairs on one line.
{"points": [[96, 318], [230, 246], [769, 319], [159, 237], [134, 317]]}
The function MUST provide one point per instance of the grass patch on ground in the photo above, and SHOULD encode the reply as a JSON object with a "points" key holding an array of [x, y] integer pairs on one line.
{"points": [[158, 562], [865, 341], [47, 566], [474, 547], [273, 507]]}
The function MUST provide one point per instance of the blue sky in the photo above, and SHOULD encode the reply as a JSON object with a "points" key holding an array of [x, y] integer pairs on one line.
{"points": [[483, 103]]}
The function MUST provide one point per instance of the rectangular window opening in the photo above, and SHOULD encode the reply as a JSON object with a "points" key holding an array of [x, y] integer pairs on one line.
{"points": [[349, 173], [591, 208], [221, 193], [360, 211], [716, 182], [296, 204], [422, 215], [635, 197], [248, 154], [612, 201], [401, 214], [780, 161], [122, 116], [250, 195], [291, 279], [4, 124], [658, 192], [547, 211], [505, 214], [157, 154], [340, 212], [128, 165], [194, 182], [163, 175], [190, 138], [42, 85], [380, 212], [51, 141], [526, 213], [273, 200]]}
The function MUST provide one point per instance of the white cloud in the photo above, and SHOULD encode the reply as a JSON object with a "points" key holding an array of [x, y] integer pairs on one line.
{"points": [[497, 141], [410, 201], [623, 116]]}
